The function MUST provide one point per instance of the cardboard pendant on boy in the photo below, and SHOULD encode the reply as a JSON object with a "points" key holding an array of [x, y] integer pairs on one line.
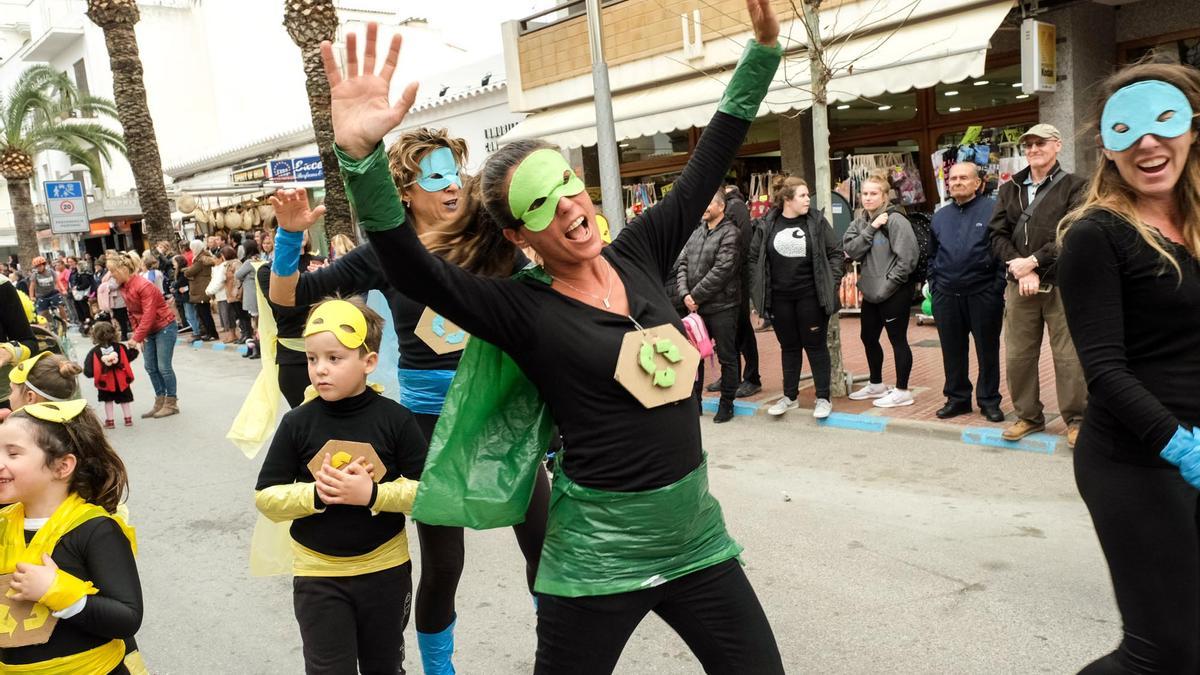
{"points": [[657, 365], [342, 453], [22, 623], [442, 335]]}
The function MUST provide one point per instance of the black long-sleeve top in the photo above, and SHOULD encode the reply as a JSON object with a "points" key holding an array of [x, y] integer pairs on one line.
{"points": [[343, 529], [1136, 327], [14, 325], [569, 349], [96, 551], [288, 320]]}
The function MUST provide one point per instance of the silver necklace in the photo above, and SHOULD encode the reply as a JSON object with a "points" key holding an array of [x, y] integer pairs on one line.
{"points": [[607, 296]]}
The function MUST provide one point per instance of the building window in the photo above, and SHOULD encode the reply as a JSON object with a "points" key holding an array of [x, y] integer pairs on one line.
{"points": [[997, 87], [81, 83], [653, 147], [867, 112]]}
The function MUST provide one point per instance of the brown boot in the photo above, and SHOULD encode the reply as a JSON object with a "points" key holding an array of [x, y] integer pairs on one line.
{"points": [[170, 407], [1021, 429], [158, 404]]}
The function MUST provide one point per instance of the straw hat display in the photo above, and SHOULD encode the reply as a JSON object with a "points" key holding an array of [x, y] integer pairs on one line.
{"points": [[186, 203], [233, 219], [218, 218], [201, 216], [253, 216]]}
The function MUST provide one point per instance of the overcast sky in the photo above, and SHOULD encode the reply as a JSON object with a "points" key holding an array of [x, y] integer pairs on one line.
{"points": [[471, 23]]}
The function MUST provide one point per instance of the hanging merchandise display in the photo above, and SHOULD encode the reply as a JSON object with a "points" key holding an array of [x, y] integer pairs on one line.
{"points": [[760, 193], [996, 151], [899, 167], [639, 197]]}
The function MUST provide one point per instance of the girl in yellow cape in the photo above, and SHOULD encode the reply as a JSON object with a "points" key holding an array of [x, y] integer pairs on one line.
{"points": [[71, 560]]}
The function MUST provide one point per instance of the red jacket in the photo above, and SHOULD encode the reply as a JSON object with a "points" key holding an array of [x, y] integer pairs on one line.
{"points": [[114, 378], [148, 312]]}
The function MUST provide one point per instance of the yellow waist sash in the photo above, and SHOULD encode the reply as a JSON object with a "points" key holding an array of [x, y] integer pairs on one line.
{"points": [[310, 563], [102, 659]]}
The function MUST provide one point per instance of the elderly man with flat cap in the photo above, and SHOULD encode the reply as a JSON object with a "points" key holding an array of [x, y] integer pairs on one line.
{"points": [[1024, 228]]}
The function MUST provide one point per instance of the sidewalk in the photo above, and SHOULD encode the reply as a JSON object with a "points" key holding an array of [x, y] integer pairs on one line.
{"points": [[925, 382]]}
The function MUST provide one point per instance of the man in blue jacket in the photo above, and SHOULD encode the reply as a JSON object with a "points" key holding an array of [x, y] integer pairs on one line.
{"points": [[967, 283]]}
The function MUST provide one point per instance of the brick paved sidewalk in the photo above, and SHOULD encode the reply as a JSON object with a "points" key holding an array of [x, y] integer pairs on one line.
{"points": [[925, 382]]}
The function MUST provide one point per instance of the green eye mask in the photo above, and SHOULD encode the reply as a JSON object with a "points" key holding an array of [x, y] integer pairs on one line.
{"points": [[540, 180]]}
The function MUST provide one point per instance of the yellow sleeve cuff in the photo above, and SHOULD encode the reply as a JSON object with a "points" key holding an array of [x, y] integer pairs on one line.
{"points": [[287, 502], [395, 496], [18, 351], [66, 591]]}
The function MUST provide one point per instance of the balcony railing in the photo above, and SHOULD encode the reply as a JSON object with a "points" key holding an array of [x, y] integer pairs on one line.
{"points": [[557, 14]]}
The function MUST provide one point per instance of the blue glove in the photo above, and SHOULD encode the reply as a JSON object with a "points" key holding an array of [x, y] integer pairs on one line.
{"points": [[1184, 452], [287, 252]]}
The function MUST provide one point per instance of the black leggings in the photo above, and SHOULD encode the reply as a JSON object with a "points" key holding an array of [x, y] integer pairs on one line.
{"points": [[293, 380], [442, 554], [352, 623], [800, 323], [1149, 527], [121, 314], [714, 610], [891, 315], [207, 326]]}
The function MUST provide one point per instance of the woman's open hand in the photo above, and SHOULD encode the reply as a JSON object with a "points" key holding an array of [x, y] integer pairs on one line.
{"points": [[292, 212], [359, 101], [766, 24]]}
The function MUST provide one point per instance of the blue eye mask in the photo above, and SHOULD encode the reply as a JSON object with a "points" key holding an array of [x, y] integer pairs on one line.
{"points": [[438, 171], [1149, 107]]}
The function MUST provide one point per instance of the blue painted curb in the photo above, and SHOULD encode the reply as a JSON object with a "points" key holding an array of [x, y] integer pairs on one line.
{"points": [[739, 407], [855, 421], [1042, 443], [197, 344]]}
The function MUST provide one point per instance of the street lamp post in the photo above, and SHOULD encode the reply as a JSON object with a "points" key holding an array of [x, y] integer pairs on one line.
{"points": [[606, 133]]}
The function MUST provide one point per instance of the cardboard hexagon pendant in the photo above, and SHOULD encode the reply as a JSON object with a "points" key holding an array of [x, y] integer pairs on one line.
{"points": [[342, 453], [22, 623], [441, 334], [657, 366]]}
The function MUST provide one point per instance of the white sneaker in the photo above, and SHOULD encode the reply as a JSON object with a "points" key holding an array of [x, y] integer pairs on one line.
{"points": [[783, 405], [870, 391], [894, 399], [822, 408]]}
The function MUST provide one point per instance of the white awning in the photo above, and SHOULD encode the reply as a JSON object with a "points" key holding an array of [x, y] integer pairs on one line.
{"points": [[949, 47]]}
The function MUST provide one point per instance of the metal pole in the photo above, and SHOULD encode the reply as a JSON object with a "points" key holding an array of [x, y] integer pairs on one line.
{"points": [[606, 134]]}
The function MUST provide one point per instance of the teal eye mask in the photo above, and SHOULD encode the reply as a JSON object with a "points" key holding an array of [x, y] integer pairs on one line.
{"points": [[1149, 107], [438, 171]]}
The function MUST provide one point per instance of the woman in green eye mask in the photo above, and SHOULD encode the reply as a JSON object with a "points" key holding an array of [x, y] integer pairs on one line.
{"points": [[1129, 270], [632, 528]]}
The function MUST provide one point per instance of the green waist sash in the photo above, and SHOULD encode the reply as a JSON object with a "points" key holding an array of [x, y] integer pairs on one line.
{"points": [[600, 542]]}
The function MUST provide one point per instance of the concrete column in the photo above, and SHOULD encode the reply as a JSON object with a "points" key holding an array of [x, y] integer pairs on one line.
{"points": [[795, 144], [1086, 48]]}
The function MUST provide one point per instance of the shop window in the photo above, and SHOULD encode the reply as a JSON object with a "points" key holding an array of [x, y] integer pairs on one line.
{"points": [[1185, 51], [651, 147], [867, 112], [997, 87]]}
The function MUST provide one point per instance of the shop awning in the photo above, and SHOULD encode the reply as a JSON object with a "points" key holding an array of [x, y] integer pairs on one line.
{"points": [[948, 45]]}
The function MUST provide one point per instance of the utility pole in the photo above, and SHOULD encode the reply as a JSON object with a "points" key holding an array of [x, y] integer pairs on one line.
{"points": [[606, 134]]}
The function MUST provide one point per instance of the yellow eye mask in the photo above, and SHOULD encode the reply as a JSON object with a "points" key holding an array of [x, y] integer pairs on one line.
{"points": [[56, 411], [20, 372], [342, 319]]}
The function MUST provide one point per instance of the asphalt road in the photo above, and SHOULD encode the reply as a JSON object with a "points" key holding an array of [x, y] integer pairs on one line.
{"points": [[871, 553]]}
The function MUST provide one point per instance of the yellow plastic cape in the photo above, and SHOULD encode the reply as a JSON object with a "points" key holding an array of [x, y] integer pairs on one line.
{"points": [[256, 420]]}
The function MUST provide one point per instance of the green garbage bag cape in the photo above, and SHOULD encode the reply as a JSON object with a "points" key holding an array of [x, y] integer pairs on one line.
{"points": [[488, 444]]}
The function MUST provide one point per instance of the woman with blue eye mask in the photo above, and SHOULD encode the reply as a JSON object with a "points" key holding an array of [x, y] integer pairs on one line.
{"points": [[445, 211], [1129, 270]]}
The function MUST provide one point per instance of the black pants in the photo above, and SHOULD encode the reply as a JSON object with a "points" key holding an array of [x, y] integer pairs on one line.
{"points": [[208, 327], [443, 557], [714, 610], [1148, 524], [800, 323], [960, 317], [747, 345], [121, 314], [83, 310], [181, 312], [293, 380], [348, 623], [891, 315], [243, 321], [722, 327]]}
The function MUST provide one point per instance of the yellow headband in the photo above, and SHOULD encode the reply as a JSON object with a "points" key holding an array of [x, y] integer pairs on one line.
{"points": [[341, 318], [56, 411], [20, 372]]}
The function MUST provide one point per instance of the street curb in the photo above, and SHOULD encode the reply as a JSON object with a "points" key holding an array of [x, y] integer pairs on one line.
{"points": [[740, 408], [215, 346]]}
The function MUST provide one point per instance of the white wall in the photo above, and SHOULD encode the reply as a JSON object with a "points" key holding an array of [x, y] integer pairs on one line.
{"points": [[467, 119]]}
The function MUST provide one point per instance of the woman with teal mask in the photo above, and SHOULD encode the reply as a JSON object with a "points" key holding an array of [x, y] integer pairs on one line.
{"points": [[444, 211], [1129, 270], [633, 528]]}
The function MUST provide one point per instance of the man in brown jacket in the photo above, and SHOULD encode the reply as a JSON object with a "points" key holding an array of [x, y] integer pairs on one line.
{"points": [[199, 273], [1023, 231]]}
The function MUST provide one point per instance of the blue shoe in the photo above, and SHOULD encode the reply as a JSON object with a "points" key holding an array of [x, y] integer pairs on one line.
{"points": [[436, 650]]}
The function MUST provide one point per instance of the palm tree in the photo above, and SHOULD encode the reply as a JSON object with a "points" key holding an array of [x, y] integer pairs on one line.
{"points": [[309, 22], [34, 118], [117, 18]]}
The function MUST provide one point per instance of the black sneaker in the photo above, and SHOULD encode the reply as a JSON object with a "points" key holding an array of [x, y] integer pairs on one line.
{"points": [[713, 387], [747, 389], [724, 412]]}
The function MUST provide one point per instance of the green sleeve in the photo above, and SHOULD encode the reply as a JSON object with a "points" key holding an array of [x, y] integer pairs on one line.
{"points": [[370, 190], [748, 86]]}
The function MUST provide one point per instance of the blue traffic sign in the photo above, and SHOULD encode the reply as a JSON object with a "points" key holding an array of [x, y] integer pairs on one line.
{"points": [[66, 189]]}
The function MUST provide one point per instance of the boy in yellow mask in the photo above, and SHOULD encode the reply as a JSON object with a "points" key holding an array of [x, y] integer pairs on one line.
{"points": [[353, 581]]}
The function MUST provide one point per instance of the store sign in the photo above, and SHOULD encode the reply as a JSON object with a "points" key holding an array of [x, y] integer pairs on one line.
{"points": [[66, 206], [307, 169], [1039, 63], [253, 174], [281, 169]]}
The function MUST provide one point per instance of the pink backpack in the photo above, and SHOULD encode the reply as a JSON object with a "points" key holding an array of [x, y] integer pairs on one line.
{"points": [[697, 334]]}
